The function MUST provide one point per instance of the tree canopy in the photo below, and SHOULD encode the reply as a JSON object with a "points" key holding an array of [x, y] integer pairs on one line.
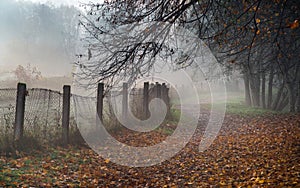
{"points": [[252, 37]]}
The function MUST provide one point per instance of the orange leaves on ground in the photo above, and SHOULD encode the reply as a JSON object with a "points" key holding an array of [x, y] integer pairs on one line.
{"points": [[249, 152]]}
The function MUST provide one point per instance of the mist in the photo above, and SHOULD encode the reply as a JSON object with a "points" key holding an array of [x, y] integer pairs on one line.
{"points": [[42, 35]]}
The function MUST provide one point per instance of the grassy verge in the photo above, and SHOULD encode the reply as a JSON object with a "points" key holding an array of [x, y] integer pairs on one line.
{"points": [[233, 108], [243, 110]]}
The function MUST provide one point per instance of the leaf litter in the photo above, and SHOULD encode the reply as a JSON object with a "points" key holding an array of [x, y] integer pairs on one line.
{"points": [[262, 151]]}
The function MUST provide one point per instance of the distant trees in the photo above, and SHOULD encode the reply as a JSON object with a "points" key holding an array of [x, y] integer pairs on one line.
{"points": [[27, 74], [258, 38], [38, 33]]}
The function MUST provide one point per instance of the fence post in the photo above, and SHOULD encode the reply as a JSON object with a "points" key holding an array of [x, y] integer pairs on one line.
{"points": [[165, 97], [146, 100], [125, 100], [20, 111], [100, 94], [66, 113], [163, 92], [158, 90]]}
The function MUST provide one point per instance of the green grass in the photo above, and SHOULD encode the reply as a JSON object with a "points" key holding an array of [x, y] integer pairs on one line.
{"points": [[234, 104], [243, 110], [170, 124], [234, 108]]}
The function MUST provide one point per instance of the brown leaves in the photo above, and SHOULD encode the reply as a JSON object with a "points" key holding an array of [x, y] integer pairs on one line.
{"points": [[249, 152]]}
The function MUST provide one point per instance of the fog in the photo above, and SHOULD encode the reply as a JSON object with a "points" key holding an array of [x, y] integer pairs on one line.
{"points": [[43, 35]]}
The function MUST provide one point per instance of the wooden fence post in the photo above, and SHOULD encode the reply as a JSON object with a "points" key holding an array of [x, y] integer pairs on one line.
{"points": [[158, 90], [146, 100], [125, 100], [158, 95], [100, 95], [166, 99], [66, 113], [163, 92], [20, 111]]}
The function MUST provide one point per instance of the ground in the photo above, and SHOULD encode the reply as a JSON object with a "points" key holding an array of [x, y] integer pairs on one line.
{"points": [[253, 151]]}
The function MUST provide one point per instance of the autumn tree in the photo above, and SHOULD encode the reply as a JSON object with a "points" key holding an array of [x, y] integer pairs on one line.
{"points": [[273, 49]]}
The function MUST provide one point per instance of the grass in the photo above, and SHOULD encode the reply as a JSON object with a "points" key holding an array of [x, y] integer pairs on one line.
{"points": [[170, 124], [113, 126], [243, 110], [234, 104], [31, 142], [234, 108]]}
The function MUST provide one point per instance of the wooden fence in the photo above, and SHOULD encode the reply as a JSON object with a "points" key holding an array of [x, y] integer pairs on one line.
{"points": [[149, 91]]}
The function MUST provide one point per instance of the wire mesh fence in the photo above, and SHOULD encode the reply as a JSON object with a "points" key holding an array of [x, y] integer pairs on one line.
{"points": [[43, 111], [7, 114], [42, 118]]}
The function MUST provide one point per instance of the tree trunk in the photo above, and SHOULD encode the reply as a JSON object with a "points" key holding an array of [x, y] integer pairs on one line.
{"points": [[298, 98], [284, 102], [276, 102], [247, 90], [292, 98], [237, 88], [270, 88], [255, 90], [263, 90], [298, 88]]}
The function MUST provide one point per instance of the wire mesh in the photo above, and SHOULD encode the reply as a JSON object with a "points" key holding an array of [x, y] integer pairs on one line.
{"points": [[43, 114], [43, 111], [7, 114]]}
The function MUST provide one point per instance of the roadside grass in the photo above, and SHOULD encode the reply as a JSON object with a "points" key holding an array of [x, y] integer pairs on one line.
{"points": [[240, 109], [235, 104], [244, 110]]}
